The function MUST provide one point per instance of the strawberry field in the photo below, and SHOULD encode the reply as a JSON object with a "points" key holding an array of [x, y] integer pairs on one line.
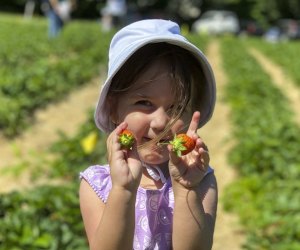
{"points": [[36, 72], [266, 153]]}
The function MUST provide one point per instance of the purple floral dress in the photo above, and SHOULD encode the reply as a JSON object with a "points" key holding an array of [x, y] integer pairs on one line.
{"points": [[154, 209]]}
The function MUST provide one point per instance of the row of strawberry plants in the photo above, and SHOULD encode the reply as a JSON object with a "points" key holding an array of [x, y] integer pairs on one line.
{"points": [[35, 70], [266, 154], [48, 217], [285, 54]]}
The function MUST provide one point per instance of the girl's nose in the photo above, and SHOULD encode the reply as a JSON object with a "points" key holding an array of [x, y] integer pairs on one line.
{"points": [[159, 120]]}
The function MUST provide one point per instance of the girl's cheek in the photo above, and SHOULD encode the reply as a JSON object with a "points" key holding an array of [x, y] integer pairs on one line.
{"points": [[138, 123], [179, 126]]}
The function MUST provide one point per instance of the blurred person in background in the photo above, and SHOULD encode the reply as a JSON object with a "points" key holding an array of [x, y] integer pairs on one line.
{"points": [[58, 13], [113, 14]]}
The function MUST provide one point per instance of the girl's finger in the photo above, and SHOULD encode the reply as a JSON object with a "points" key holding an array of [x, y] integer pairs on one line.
{"points": [[121, 127], [194, 122], [113, 138]]}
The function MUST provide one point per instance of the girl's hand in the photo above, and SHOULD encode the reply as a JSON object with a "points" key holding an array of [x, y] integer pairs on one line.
{"points": [[190, 169], [125, 165]]}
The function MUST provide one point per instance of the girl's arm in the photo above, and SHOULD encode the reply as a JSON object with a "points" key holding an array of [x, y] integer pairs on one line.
{"points": [[195, 214], [195, 195], [110, 225]]}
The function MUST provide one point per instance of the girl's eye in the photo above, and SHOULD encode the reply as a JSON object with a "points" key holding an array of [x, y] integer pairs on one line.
{"points": [[173, 107], [144, 103]]}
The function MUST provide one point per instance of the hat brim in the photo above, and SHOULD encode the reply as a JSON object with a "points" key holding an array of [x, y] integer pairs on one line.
{"points": [[102, 112]]}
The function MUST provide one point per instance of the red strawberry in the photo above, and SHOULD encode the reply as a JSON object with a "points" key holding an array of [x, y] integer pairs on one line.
{"points": [[126, 138], [182, 144]]}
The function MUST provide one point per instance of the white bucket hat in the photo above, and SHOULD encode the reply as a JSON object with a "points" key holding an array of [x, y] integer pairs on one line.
{"points": [[136, 35]]}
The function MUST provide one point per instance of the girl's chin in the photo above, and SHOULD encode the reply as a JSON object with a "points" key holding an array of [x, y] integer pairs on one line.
{"points": [[153, 154]]}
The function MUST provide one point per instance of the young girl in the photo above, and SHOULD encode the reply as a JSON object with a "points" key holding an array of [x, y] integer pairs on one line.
{"points": [[147, 197]]}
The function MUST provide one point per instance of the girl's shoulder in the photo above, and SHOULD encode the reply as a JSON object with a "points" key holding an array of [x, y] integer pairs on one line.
{"points": [[98, 177], [96, 170]]}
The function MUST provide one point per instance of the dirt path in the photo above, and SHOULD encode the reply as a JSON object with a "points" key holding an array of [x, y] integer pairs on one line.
{"points": [[281, 80], [228, 232], [65, 116]]}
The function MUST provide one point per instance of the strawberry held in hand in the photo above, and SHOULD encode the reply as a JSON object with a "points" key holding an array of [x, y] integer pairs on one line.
{"points": [[126, 139], [182, 144]]}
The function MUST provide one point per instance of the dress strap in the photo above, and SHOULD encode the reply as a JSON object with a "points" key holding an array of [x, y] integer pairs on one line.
{"points": [[155, 173]]}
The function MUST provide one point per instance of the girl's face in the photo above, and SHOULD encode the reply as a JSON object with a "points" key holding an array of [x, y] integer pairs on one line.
{"points": [[146, 109]]}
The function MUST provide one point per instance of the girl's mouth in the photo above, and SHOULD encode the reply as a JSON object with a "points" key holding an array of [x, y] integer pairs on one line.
{"points": [[166, 139], [163, 142]]}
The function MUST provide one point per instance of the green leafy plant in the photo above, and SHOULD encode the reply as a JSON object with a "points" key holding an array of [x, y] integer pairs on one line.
{"points": [[33, 74], [266, 154], [42, 218]]}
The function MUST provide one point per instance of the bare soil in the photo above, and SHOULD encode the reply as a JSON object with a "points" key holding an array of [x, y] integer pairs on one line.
{"points": [[228, 232], [31, 148], [281, 80]]}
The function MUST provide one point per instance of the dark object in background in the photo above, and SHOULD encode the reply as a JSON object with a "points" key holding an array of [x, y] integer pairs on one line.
{"points": [[251, 28], [284, 29], [290, 28]]}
